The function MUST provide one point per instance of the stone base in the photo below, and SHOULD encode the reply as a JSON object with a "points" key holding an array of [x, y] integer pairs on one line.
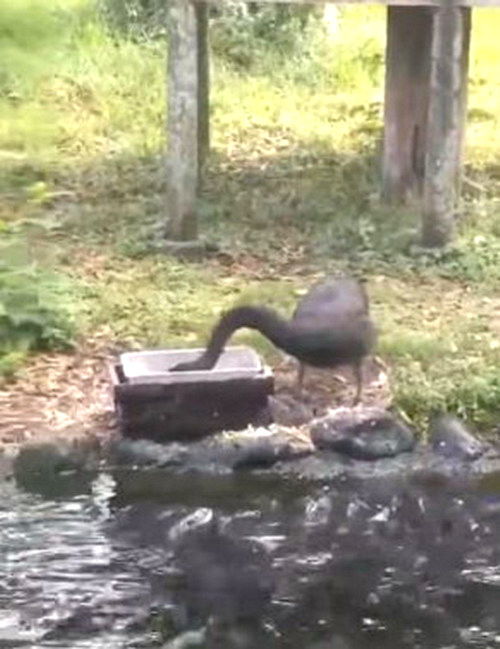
{"points": [[193, 250]]}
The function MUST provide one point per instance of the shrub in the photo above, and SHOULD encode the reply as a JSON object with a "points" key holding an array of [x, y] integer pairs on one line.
{"points": [[239, 30], [34, 313], [137, 19]]}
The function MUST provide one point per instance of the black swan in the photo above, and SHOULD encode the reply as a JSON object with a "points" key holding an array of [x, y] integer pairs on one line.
{"points": [[331, 326]]}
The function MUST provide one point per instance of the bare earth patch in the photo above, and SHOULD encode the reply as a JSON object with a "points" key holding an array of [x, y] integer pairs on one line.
{"points": [[58, 395], [327, 388]]}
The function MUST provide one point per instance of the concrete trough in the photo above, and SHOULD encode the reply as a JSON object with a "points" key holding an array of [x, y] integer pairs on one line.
{"points": [[153, 403], [153, 366]]}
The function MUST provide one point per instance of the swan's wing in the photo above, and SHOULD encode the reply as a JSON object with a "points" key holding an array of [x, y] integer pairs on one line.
{"points": [[332, 301]]}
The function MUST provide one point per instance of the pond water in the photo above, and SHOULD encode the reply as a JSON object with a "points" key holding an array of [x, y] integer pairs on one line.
{"points": [[140, 559]]}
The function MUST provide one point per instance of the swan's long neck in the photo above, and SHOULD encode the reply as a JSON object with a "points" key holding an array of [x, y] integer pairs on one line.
{"points": [[266, 321]]}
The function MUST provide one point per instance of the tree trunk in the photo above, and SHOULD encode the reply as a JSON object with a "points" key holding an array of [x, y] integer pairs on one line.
{"points": [[187, 120], [445, 130], [409, 33]]}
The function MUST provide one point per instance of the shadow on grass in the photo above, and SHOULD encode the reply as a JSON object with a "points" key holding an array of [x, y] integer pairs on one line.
{"points": [[293, 210], [311, 202]]}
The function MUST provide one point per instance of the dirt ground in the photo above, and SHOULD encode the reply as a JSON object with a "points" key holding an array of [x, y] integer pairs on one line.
{"points": [[70, 395], [56, 395]]}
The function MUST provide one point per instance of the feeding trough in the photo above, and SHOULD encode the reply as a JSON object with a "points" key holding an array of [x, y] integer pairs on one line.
{"points": [[152, 402]]}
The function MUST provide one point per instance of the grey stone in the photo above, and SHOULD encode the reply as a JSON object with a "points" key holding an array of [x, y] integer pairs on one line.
{"points": [[58, 456], [142, 452], [57, 467], [288, 411], [449, 437], [362, 433], [254, 448]]}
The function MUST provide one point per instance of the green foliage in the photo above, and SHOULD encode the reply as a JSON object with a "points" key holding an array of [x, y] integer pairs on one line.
{"points": [[236, 26], [289, 43], [441, 340], [34, 310], [137, 19], [475, 259], [467, 388], [280, 40], [245, 35]]}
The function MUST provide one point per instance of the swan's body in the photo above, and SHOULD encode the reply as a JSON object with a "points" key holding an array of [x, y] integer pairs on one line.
{"points": [[331, 326]]}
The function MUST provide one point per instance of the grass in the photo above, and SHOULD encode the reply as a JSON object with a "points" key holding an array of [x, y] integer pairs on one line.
{"points": [[291, 193]]}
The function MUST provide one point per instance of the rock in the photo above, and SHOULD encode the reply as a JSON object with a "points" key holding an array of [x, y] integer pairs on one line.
{"points": [[264, 447], [58, 456], [202, 522], [449, 437], [287, 411], [6, 466], [252, 448], [226, 577], [192, 250], [143, 452], [56, 467], [363, 434], [334, 446]]}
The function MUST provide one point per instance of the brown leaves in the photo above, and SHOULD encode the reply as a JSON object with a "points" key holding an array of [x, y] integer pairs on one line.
{"points": [[58, 393]]}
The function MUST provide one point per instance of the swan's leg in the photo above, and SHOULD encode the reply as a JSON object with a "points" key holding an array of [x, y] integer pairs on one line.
{"points": [[300, 377], [358, 377]]}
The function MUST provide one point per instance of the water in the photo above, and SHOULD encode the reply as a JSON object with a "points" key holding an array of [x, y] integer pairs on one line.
{"points": [[138, 559], [60, 574]]}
